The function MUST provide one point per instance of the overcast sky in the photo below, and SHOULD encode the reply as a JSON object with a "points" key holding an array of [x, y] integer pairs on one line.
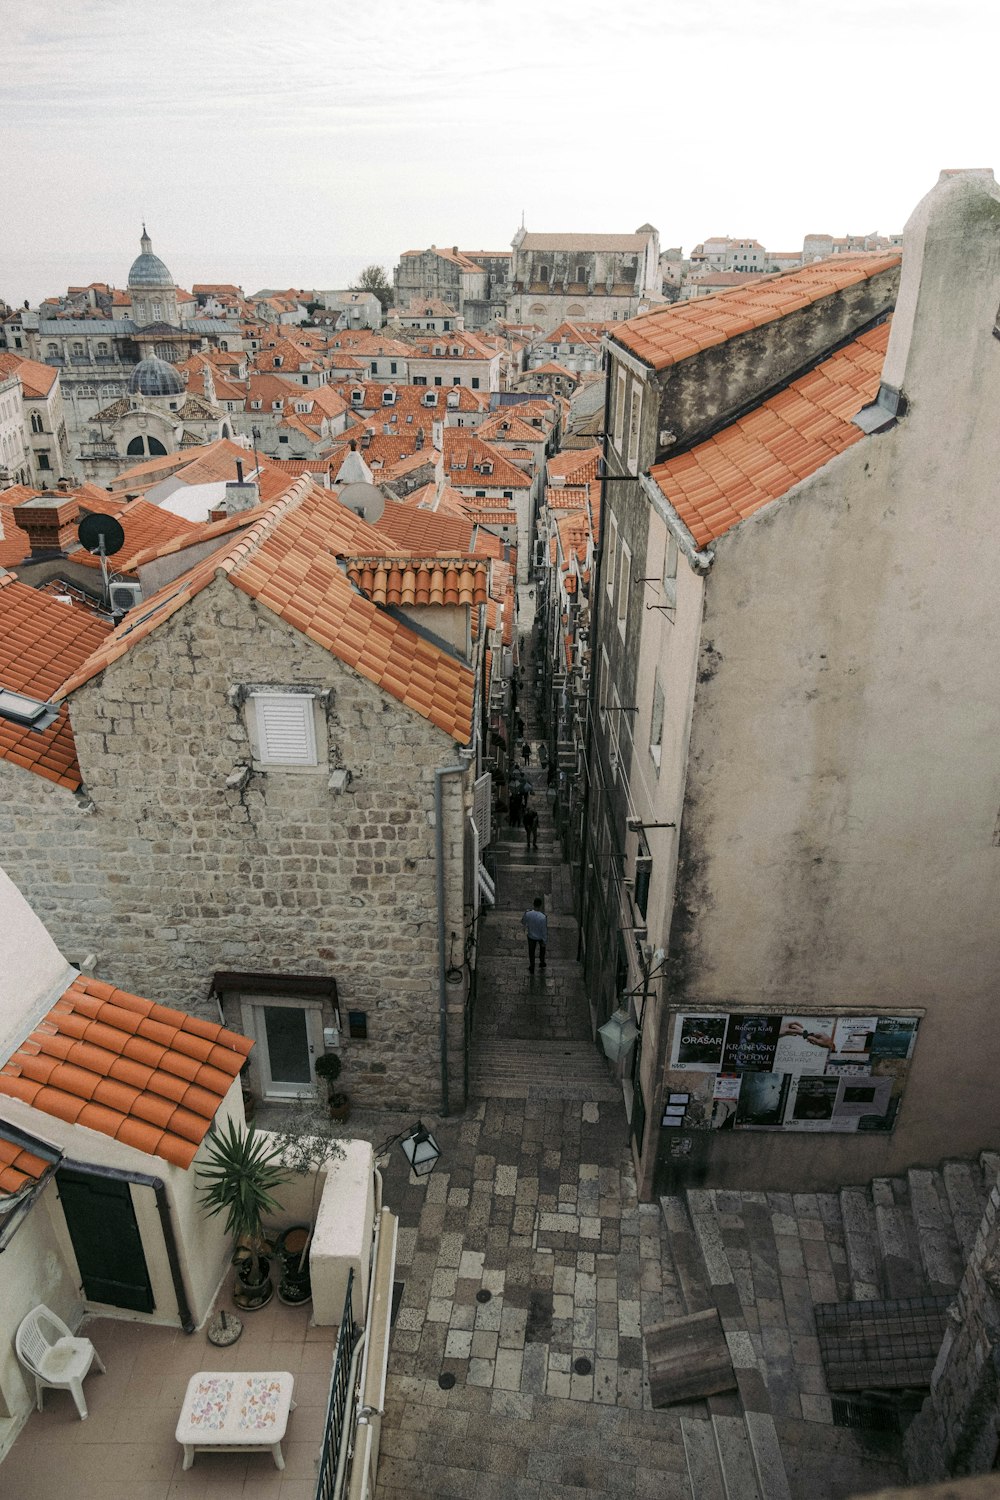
{"points": [[291, 143]]}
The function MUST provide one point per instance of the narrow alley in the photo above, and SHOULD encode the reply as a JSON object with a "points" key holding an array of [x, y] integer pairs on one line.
{"points": [[528, 1268]]}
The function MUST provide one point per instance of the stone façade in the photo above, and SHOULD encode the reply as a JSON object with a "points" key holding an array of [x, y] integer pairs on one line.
{"points": [[168, 874]]}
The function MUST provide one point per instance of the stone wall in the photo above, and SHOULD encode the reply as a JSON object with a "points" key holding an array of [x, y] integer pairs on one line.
{"points": [[957, 1431], [174, 875]]}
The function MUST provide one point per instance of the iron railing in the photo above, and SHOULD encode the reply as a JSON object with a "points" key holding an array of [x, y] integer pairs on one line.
{"points": [[339, 1399]]}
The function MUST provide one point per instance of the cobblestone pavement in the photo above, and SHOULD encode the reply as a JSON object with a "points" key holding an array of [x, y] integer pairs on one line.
{"points": [[528, 1267]]}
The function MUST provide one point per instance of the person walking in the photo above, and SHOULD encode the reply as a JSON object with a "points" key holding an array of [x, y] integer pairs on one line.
{"points": [[526, 753], [529, 819], [516, 804], [535, 924], [518, 727]]}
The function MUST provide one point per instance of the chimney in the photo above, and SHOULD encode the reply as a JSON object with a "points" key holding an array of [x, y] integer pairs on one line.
{"points": [[243, 494], [50, 525]]}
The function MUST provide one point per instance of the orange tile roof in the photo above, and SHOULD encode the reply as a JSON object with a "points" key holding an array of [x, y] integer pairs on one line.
{"points": [[676, 332], [206, 465], [41, 640], [505, 426], [18, 1166], [417, 529], [784, 440], [465, 453], [573, 465], [36, 380], [408, 579], [144, 1074], [147, 528], [289, 562]]}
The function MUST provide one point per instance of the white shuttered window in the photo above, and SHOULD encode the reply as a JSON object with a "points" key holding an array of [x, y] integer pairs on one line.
{"points": [[286, 729]]}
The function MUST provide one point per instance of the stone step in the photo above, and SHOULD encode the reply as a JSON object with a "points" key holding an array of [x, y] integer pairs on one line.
{"points": [[862, 1244], [732, 1446], [903, 1274], [769, 1466], [936, 1238], [504, 1068], [966, 1191], [702, 1457], [685, 1251]]}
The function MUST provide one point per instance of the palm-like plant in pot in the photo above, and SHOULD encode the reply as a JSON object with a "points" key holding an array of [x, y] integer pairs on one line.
{"points": [[240, 1175]]}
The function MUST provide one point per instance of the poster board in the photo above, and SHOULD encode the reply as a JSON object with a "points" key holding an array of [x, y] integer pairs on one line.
{"points": [[808, 1072]]}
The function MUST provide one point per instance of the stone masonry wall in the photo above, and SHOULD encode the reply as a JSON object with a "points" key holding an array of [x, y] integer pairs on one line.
{"points": [[958, 1428], [173, 875]]}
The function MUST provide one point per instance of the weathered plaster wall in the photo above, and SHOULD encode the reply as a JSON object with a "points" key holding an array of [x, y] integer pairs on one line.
{"points": [[174, 876], [838, 842]]}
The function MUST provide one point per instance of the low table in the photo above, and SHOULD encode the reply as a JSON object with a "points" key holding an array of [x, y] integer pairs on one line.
{"points": [[235, 1411]]}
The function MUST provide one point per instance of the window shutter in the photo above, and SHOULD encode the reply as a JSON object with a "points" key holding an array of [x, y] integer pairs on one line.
{"points": [[286, 729], [482, 793]]}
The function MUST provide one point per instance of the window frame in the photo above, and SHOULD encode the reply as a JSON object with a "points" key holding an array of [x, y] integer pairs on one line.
{"points": [[313, 721], [623, 586]]}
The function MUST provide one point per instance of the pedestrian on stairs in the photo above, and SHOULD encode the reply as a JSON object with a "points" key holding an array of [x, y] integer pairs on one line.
{"points": [[526, 753], [535, 924], [516, 805], [530, 820]]}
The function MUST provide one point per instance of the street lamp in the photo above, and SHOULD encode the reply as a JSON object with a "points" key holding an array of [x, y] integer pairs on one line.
{"points": [[617, 1035], [420, 1149]]}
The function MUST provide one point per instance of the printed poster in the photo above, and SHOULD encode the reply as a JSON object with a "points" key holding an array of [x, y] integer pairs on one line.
{"points": [[853, 1036], [750, 1043], [811, 1105], [894, 1036], [698, 1042], [762, 1100], [804, 1044], [862, 1096]]}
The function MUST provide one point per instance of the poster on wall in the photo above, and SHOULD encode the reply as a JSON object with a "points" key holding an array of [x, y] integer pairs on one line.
{"points": [[750, 1042], [804, 1044], [797, 1072], [698, 1042]]}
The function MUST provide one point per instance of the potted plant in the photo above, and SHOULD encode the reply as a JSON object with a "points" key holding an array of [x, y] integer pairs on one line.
{"points": [[328, 1067], [240, 1175], [307, 1144]]}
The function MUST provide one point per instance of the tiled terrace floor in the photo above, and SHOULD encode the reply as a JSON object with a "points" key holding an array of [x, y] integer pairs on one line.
{"points": [[126, 1449]]}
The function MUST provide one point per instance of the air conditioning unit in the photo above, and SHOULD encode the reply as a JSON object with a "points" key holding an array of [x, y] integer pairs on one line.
{"points": [[125, 596]]}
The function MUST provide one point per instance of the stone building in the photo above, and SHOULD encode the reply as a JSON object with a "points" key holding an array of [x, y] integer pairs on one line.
{"points": [[590, 276], [44, 421], [254, 799], [792, 801], [473, 282]]}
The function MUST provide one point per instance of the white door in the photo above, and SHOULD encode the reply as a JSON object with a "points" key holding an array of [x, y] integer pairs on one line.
{"points": [[289, 1037]]}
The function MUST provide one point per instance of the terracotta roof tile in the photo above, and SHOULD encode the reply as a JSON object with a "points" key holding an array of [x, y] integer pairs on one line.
{"points": [[76, 1068], [41, 640], [682, 329], [19, 1166], [755, 460]]}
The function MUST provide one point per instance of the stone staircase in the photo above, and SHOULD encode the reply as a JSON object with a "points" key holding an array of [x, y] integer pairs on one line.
{"points": [[765, 1260], [910, 1236]]}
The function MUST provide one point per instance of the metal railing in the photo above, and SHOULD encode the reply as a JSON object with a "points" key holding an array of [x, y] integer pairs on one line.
{"points": [[339, 1400]]}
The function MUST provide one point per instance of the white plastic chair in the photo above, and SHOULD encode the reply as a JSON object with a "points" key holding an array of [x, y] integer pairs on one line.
{"points": [[46, 1347]]}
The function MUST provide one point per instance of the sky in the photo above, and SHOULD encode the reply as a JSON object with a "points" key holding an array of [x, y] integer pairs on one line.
{"points": [[291, 144]]}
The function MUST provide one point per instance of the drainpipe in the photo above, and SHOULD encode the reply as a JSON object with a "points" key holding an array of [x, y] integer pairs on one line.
{"points": [[439, 775], [143, 1179]]}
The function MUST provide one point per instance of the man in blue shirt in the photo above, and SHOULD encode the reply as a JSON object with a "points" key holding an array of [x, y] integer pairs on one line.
{"points": [[535, 924]]}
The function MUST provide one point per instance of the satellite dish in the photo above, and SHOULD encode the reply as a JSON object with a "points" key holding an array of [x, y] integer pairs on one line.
{"points": [[101, 534], [365, 500]]}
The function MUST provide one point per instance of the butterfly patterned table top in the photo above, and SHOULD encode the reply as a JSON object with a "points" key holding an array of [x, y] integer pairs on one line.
{"points": [[235, 1411]]}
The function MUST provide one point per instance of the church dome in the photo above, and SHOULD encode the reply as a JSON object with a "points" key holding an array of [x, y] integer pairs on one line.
{"points": [[154, 377], [147, 268]]}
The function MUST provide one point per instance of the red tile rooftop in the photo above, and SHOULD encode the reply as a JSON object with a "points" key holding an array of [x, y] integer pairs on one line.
{"points": [[786, 439], [677, 332], [145, 1074]]}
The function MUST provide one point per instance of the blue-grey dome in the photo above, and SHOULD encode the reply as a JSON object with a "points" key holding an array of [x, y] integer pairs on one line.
{"points": [[147, 268], [154, 377]]}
